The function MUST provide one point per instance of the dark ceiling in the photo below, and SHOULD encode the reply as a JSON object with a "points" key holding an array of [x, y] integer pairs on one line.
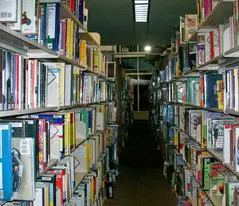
{"points": [[113, 19]]}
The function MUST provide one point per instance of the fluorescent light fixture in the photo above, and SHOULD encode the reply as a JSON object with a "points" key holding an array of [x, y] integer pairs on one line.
{"points": [[141, 1], [141, 10], [147, 48]]}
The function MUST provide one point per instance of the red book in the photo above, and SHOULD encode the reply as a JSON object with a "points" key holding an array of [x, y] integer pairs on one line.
{"points": [[59, 184], [72, 6], [211, 39], [202, 90]]}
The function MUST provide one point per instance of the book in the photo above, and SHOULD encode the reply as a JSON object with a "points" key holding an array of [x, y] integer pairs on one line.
{"points": [[52, 25], [8, 11], [6, 161], [53, 87], [29, 21]]}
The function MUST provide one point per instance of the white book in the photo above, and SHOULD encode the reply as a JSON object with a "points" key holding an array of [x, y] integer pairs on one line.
{"points": [[8, 10], [17, 26], [61, 68], [236, 91], [195, 124], [56, 136], [100, 121], [29, 19], [35, 86], [29, 75], [236, 154], [207, 47], [226, 39], [53, 87], [81, 129], [21, 82], [68, 84], [80, 155], [227, 144], [39, 196]]}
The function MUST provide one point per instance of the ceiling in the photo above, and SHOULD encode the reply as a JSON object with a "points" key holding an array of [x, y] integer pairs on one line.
{"points": [[113, 19]]}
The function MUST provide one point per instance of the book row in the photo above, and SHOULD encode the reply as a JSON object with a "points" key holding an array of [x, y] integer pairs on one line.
{"points": [[29, 84], [215, 132], [30, 146], [210, 90], [43, 22], [196, 175], [195, 46], [25, 16]]}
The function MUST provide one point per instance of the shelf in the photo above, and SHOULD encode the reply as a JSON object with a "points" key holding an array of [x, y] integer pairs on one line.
{"points": [[232, 52], [218, 155], [222, 11], [12, 113], [65, 12], [211, 65], [90, 37], [16, 42], [192, 73]]}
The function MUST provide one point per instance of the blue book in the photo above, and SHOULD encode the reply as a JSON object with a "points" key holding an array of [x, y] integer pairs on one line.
{"points": [[81, 11], [210, 85], [42, 35], [52, 22], [6, 186]]}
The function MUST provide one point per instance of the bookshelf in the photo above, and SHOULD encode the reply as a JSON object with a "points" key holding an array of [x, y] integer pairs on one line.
{"points": [[57, 110], [197, 107]]}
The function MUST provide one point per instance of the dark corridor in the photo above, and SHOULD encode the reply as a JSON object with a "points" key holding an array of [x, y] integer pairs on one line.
{"points": [[141, 182]]}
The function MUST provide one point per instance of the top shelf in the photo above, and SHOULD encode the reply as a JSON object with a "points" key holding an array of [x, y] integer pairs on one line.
{"points": [[219, 15], [66, 13]]}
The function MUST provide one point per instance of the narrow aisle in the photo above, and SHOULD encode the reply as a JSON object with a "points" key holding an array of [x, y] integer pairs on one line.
{"points": [[141, 182]]}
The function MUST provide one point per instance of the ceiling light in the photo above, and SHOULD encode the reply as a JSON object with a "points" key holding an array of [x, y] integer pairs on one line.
{"points": [[141, 10], [147, 48], [141, 1]]}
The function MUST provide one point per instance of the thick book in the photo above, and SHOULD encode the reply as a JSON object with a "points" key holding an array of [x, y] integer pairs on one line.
{"points": [[52, 23], [210, 85], [29, 21], [53, 87], [6, 162]]}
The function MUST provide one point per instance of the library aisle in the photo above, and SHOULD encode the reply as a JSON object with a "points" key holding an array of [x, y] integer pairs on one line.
{"points": [[141, 181]]}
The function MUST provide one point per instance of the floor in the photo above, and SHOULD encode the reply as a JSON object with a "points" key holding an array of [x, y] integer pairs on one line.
{"points": [[140, 181]]}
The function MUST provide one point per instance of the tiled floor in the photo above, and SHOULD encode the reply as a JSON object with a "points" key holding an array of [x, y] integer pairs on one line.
{"points": [[140, 181]]}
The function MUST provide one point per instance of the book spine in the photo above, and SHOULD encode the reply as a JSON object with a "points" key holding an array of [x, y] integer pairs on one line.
{"points": [[220, 93], [17, 82], [236, 92], [1, 78], [8, 80]]}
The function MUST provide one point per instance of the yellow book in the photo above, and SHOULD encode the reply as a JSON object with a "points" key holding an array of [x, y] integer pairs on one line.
{"points": [[68, 37], [87, 145], [96, 58], [73, 145], [83, 47], [67, 134], [92, 190], [46, 196], [220, 94], [60, 66], [175, 139]]}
